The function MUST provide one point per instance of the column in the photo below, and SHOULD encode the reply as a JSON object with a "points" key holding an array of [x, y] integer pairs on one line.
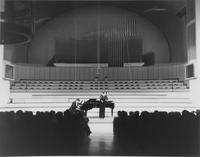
{"points": [[4, 84], [195, 83]]}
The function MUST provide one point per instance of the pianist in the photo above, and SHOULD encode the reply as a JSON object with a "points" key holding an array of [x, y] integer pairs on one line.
{"points": [[76, 105]]}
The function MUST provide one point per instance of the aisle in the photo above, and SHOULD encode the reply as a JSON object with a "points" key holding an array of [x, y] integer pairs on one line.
{"points": [[100, 141]]}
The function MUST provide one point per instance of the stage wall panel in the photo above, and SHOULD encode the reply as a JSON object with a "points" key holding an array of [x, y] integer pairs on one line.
{"points": [[36, 72]]}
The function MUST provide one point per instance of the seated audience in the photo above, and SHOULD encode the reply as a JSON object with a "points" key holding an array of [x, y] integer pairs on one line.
{"points": [[158, 133], [23, 133]]}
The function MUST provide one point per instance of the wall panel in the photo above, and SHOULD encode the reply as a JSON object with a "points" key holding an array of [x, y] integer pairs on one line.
{"points": [[150, 73], [65, 74], [31, 72], [144, 73], [18, 71], [53, 72], [41, 73], [155, 72], [26, 72], [135, 69], [165, 71], [139, 73], [127, 72], [180, 72], [172, 71]]}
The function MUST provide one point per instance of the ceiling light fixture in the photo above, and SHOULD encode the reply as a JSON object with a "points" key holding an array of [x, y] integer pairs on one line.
{"points": [[155, 9]]}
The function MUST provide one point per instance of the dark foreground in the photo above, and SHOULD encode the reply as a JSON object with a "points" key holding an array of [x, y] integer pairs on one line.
{"points": [[50, 133]]}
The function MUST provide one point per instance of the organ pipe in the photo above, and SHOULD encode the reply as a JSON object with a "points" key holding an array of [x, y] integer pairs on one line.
{"points": [[33, 26], [98, 39], [115, 45], [112, 32], [118, 45], [126, 32], [121, 43], [134, 27], [112, 44], [131, 29], [109, 46], [75, 44], [123, 40], [115, 51], [2, 6]]}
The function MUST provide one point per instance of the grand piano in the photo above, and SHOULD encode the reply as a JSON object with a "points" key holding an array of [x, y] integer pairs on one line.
{"points": [[95, 103]]}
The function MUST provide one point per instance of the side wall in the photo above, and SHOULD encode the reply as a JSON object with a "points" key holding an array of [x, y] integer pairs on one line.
{"points": [[173, 28], [16, 53], [193, 51], [4, 84]]}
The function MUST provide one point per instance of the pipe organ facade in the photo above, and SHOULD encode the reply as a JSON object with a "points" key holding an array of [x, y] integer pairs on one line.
{"points": [[98, 34]]}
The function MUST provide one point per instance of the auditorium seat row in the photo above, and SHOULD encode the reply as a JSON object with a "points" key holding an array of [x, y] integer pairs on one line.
{"points": [[97, 88], [97, 85], [100, 82]]}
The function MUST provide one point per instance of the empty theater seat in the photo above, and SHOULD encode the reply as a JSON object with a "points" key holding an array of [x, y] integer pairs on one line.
{"points": [[98, 85]]}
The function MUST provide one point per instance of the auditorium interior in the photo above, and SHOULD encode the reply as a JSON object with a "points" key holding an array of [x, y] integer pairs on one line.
{"points": [[58, 57]]}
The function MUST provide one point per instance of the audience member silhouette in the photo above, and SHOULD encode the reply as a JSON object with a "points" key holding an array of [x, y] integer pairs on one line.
{"points": [[44, 132], [158, 133]]}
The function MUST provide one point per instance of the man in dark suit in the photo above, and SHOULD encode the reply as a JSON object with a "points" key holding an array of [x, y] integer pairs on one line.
{"points": [[103, 99]]}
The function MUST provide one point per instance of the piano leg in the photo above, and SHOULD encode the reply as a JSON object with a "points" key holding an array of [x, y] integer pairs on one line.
{"points": [[112, 112]]}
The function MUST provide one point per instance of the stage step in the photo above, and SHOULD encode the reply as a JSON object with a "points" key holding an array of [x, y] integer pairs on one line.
{"points": [[127, 107], [97, 120], [91, 94]]}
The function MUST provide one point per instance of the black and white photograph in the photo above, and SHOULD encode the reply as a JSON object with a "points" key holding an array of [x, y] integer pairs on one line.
{"points": [[99, 77]]}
